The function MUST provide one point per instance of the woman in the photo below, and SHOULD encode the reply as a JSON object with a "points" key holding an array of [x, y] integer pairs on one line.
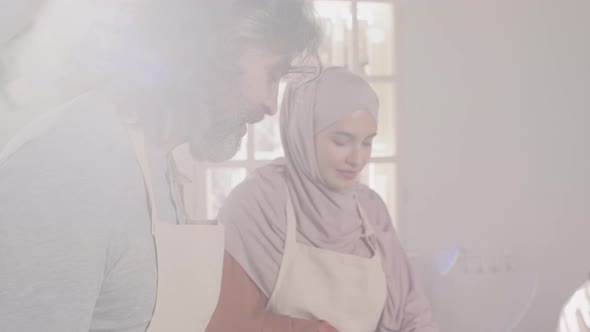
{"points": [[308, 248]]}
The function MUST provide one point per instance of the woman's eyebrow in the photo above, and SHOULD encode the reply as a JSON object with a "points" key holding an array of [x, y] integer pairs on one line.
{"points": [[343, 133], [347, 134]]}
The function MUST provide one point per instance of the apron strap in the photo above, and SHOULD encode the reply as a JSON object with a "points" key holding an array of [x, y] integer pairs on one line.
{"points": [[368, 231], [173, 173], [138, 141], [291, 222]]}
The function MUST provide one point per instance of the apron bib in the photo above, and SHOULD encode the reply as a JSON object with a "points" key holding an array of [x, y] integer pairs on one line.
{"points": [[190, 262], [346, 291]]}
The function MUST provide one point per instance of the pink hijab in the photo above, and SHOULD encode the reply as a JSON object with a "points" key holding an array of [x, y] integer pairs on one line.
{"points": [[325, 218], [254, 214]]}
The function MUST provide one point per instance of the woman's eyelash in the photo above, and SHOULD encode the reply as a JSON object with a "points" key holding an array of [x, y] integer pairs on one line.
{"points": [[339, 143]]}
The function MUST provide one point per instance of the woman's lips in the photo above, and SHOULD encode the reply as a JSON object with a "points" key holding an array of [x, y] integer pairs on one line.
{"points": [[349, 175]]}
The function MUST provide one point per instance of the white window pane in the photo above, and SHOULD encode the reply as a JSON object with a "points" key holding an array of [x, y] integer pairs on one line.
{"points": [[242, 154], [381, 178], [336, 21], [375, 45], [268, 139], [220, 182], [384, 143]]}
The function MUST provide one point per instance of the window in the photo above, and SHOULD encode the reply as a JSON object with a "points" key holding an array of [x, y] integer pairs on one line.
{"points": [[358, 34]]}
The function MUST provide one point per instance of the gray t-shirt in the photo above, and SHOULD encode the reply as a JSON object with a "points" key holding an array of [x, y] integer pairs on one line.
{"points": [[76, 251]]}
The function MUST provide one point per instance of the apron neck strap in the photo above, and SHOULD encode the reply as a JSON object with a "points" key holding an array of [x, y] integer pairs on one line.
{"points": [[291, 221], [368, 231], [138, 141]]}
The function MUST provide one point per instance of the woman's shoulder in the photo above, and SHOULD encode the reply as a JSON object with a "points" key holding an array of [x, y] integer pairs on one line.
{"points": [[256, 207], [269, 179], [261, 193], [373, 204], [369, 197]]}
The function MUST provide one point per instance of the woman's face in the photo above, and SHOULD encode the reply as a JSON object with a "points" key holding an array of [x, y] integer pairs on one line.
{"points": [[344, 148]]}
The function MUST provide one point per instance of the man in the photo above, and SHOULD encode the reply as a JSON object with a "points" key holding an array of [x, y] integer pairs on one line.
{"points": [[76, 250]]}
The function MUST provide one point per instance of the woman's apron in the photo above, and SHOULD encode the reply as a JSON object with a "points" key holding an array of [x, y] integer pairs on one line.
{"points": [[346, 291], [190, 261]]}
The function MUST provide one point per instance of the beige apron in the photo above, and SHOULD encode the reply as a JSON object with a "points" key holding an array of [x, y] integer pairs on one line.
{"points": [[190, 261], [346, 291]]}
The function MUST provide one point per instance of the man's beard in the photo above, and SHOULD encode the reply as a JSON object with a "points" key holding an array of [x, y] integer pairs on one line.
{"points": [[215, 148], [222, 140]]}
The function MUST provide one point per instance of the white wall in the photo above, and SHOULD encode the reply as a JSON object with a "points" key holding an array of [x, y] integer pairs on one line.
{"points": [[494, 151]]}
